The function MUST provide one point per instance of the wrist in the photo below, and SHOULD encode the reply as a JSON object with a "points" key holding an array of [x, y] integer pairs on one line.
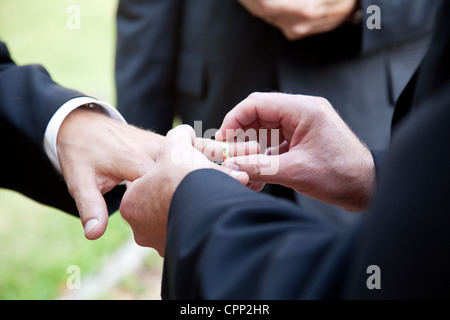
{"points": [[77, 126], [52, 130], [365, 187]]}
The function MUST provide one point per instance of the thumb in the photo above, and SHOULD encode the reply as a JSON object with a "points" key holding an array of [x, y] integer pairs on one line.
{"points": [[91, 208], [259, 167]]}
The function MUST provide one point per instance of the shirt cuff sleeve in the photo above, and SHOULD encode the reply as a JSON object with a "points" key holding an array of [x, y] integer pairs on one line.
{"points": [[51, 133]]}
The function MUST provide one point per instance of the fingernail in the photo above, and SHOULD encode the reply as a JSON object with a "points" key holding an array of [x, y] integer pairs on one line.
{"points": [[232, 166], [90, 225]]}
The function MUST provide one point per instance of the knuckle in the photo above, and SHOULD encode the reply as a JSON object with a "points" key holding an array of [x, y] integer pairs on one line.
{"points": [[319, 106], [266, 8], [254, 96], [85, 206], [86, 209], [186, 128], [139, 240], [297, 32], [126, 208]]}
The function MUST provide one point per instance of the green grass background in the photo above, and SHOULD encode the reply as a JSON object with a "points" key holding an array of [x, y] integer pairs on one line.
{"points": [[38, 243]]}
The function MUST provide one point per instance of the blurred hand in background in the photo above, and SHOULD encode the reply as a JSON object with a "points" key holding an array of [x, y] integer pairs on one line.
{"points": [[298, 19]]}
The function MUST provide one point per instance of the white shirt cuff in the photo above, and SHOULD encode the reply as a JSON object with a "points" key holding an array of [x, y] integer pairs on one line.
{"points": [[51, 132]]}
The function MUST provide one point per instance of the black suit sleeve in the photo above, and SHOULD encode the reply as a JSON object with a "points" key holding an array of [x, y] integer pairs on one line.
{"points": [[227, 242], [28, 100], [29, 97], [406, 232]]}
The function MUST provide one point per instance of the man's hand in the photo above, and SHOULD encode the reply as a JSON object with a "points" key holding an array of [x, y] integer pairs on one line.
{"points": [[301, 18], [315, 154], [97, 153], [145, 205]]}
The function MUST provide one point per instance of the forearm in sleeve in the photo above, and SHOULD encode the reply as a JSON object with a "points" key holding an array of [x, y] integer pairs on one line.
{"points": [[228, 242]]}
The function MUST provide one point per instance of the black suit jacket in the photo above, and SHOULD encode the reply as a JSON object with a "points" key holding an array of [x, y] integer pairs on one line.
{"points": [[199, 58], [28, 100], [232, 243]]}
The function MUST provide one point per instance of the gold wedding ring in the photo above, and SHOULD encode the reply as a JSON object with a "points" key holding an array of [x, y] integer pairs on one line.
{"points": [[225, 151]]}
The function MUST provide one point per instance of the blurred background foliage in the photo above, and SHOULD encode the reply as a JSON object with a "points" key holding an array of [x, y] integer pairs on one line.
{"points": [[38, 243]]}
